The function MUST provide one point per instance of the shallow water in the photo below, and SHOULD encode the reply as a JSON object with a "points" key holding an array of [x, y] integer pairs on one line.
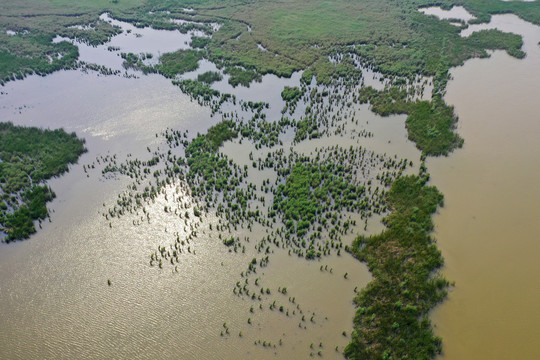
{"points": [[456, 12], [55, 298], [132, 40], [53, 290], [488, 229]]}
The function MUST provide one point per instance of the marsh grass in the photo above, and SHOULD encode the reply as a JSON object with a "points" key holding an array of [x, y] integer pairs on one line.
{"points": [[30, 156]]}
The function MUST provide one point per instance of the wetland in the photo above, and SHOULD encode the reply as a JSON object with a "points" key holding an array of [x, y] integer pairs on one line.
{"points": [[248, 194]]}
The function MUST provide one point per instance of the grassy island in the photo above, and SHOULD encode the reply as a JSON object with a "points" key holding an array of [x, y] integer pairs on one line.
{"points": [[29, 157]]}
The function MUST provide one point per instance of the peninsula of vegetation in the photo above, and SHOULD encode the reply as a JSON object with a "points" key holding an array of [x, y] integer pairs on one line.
{"points": [[29, 157], [313, 200]]}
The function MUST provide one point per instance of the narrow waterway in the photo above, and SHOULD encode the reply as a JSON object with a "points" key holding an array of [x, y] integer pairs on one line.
{"points": [[488, 229]]}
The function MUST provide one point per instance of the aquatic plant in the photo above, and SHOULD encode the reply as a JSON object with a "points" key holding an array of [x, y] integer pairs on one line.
{"points": [[29, 157], [430, 124], [391, 319], [209, 77], [179, 62]]}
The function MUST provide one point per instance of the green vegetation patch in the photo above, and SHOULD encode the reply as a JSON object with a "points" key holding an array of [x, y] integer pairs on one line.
{"points": [[240, 76], [391, 321], [307, 127], [430, 124], [209, 77], [208, 169], [291, 94], [528, 11], [392, 37], [134, 61], [197, 89], [263, 132], [309, 186], [329, 39], [178, 62], [339, 70], [29, 157], [36, 55], [95, 33], [199, 42], [436, 47], [20, 223], [314, 196]]}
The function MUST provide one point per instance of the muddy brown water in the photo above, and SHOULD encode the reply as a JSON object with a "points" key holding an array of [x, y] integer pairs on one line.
{"points": [[488, 229]]}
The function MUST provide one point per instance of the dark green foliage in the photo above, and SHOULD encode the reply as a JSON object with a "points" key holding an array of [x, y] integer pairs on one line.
{"points": [[391, 319], [264, 132], [493, 39], [241, 76], [179, 62], [386, 102], [308, 187], [326, 71], [29, 157], [99, 32], [197, 89], [436, 46], [199, 42], [218, 134], [18, 65], [306, 128], [323, 37], [315, 195], [482, 9], [20, 223], [291, 94], [430, 124], [134, 61], [34, 153], [209, 77], [310, 184], [209, 170], [307, 76], [160, 20], [393, 37]]}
